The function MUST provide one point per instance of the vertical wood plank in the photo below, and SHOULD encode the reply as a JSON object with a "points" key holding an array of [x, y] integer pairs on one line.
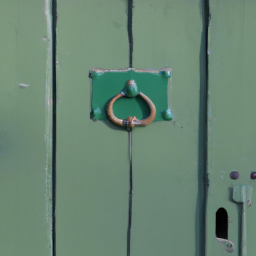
{"points": [[231, 122], [25, 129], [168, 156], [92, 158]]}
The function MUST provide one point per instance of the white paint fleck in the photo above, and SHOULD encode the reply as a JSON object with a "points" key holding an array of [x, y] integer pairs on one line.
{"points": [[44, 38], [24, 85]]}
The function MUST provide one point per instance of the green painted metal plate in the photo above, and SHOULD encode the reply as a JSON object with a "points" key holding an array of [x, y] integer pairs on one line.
{"points": [[108, 83]]}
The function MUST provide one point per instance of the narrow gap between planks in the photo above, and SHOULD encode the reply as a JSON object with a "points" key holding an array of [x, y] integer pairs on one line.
{"points": [[130, 38], [130, 34], [54, 122], [204, 111]]}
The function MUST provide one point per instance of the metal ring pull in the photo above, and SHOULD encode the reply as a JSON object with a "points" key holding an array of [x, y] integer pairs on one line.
{"points": [[131, 90]]}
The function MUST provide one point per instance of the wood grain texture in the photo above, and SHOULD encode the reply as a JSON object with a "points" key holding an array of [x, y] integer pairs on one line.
{"points": [[25, 160], [167, 156], [92, 157], [231, 122]]}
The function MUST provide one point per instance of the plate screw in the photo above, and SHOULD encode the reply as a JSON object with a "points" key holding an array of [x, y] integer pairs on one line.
{"points": [[253, 175], [234, 175], [167, 114], [97, 114], [167, 73], [229, 245]]}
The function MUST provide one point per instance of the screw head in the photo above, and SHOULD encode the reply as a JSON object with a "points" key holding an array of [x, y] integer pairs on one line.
{"points": [[253, 175], [167, 114], [97, 114], [167, 73], [234, 175], [229, 245]]}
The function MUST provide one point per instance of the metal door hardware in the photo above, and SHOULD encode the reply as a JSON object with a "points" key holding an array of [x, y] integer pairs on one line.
{"points": [[150, 86], [253, 175], [234, 175], [131, 90], [243, 194], [226, 244]]}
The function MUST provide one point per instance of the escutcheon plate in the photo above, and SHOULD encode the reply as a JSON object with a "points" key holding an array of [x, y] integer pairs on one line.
{"points": [[106, 83]]}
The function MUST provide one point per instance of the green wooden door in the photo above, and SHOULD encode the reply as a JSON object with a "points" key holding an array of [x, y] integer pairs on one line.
{"points": [[66, 180]]}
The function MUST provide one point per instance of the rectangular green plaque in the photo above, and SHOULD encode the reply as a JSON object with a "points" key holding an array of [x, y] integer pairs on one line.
{"points": [[108, 83]]}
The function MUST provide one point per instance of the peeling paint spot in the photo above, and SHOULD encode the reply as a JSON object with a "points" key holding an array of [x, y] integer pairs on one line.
{"points": [[176, 123], [24, 85], [44, 38], [117, 25]]}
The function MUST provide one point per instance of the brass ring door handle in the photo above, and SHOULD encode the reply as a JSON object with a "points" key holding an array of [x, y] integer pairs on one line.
{"points": [[131, 91]]}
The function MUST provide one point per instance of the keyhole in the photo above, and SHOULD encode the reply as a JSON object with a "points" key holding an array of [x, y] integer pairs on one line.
{"points": [[222, 223]]}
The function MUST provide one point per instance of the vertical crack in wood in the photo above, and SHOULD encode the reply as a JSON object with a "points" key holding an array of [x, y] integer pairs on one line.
{"points": [[207, 18], [202, 134], [54, 118], [130, 37], [130, 34], [130, 198], [207, 45]]}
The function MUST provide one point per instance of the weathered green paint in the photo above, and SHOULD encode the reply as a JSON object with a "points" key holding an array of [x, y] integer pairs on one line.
{"points": [[25, 129], [92, 175], [231, 122], [92, 158], [167, 169], [92, 194], [107, 84]]}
